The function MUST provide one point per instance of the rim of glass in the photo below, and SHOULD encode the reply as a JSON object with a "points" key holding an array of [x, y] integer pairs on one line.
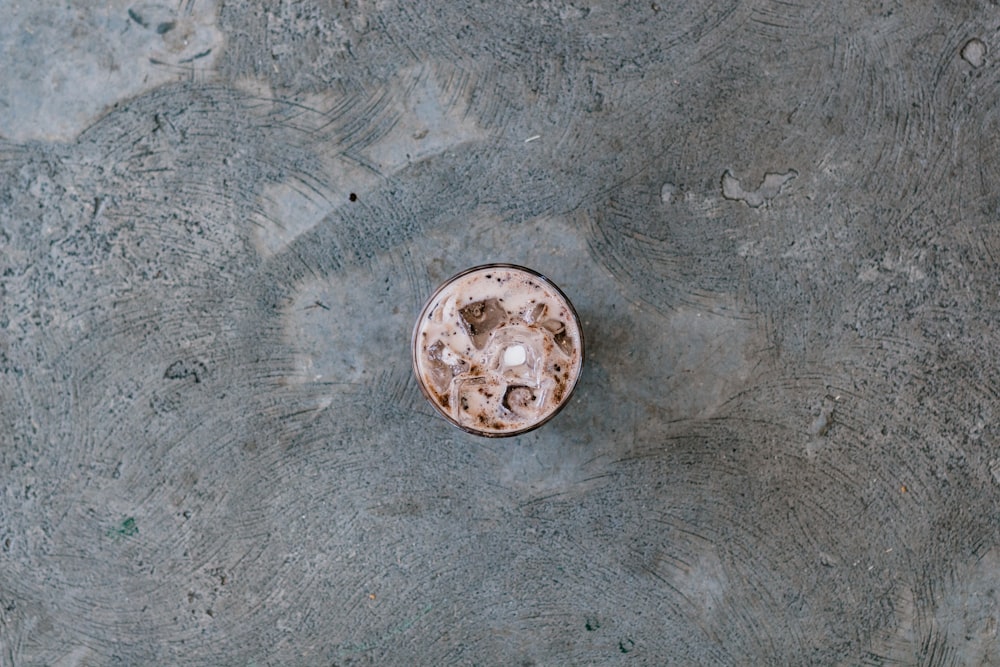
{"points": [[430, 301]]}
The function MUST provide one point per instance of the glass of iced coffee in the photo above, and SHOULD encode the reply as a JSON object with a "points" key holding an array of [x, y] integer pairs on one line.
{"points": [[498, 350]]}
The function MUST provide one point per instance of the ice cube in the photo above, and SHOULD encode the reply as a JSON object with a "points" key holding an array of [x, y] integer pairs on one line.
{"points": [[516, 352], [439, 373], [564, 343], [558, 330], [555, 326], [523, 401], [444, 364], [481, 318], [476, 401], [537, 313]]}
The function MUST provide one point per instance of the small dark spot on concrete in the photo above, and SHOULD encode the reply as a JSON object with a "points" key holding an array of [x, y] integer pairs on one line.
{"points": [[592, 624], [127, 528], [165, 27], [626, 645], [353, 196], [132, 14], [184, 369], [196, 56]]}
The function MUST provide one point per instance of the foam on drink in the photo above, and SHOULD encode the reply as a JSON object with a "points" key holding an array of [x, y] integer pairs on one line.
{"points": [[498, 349]]}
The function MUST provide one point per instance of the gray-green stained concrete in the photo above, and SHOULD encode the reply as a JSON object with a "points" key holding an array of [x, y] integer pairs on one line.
{"points": [[779, 222]]}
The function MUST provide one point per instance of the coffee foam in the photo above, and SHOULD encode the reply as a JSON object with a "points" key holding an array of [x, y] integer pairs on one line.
{"points": [[460, 349]]}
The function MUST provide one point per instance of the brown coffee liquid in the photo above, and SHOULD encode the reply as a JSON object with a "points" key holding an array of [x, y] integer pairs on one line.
{"points": [[498, 350]]}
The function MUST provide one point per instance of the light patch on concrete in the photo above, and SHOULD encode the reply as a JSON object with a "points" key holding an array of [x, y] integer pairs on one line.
{"points": [[427, 117], [705, 581], [63, 68], [432, 117], [907, 263], [824, 419], [328, 326], [703, 360], [963, 611], [899, 262], [768, 189], [974, 52], [668, 193], [290, 209], [710, 360], [78, 657]]}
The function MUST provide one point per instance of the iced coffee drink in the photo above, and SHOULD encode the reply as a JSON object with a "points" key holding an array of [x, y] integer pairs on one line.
{"points": [[498, 350]]}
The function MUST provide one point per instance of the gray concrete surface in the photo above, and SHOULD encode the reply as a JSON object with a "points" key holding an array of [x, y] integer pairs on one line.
{"points": [[778, 221]]}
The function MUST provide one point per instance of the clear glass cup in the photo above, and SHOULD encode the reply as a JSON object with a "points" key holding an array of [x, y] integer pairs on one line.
{"points": [[498, 350]]}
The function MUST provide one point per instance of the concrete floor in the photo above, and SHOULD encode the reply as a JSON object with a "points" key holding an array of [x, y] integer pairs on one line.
{"points": [[779, 222]]}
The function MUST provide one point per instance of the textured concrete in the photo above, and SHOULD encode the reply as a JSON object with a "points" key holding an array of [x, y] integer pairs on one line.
{"points": [[779, 223]]}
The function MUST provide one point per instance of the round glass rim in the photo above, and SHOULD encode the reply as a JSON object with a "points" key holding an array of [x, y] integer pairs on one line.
{"points": [[423, 313]]}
